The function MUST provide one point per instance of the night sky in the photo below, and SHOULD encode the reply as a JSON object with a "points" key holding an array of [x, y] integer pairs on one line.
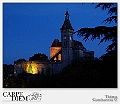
{"points": [[30, 28]]}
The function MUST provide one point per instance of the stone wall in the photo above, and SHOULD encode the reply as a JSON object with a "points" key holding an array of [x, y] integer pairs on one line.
{"points": [[36, 67]]}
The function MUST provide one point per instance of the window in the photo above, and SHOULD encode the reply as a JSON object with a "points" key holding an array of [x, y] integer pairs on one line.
{"points": [[65, 37]]}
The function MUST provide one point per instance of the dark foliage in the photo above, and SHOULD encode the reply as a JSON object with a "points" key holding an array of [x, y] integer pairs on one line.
{"points": [[39, 57], [18, 81], [104, 33], [82, 73], [7, 70], [19, 61]]}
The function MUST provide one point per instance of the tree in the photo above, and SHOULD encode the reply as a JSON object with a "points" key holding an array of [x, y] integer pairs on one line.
{"points": [[39, 57], [104, 33], [19, 61]]}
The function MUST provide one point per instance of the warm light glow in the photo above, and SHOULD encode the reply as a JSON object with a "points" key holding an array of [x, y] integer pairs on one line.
{"points": [[55, 59], [32, 68], [54, 51], [59, 57]]}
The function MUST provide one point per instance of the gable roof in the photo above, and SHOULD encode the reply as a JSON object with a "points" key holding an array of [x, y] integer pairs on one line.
{"points": [[78, 45], [56, 43]]}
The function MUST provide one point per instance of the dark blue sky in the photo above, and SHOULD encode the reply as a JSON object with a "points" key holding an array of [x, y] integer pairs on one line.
{"points": [[30, 28]]}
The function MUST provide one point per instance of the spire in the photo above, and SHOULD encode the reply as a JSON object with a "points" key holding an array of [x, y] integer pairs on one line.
{"points": [[67, 24], [67, 15]]}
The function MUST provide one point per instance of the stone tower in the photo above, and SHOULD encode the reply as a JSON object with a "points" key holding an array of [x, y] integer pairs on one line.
{"points": [[67, 40]]}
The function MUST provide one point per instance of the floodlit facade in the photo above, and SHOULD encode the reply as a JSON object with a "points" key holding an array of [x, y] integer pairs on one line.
{"points": [[32, 67], [68, 49], [61, 53]]}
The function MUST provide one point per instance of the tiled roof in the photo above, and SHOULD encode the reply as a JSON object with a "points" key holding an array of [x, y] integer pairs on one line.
{"points": [[77, 44]]}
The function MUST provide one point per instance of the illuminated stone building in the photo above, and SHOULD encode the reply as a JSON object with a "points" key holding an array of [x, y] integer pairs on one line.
{"points": [[33, 67], [55, 50], [68, 49], [61, 53]]}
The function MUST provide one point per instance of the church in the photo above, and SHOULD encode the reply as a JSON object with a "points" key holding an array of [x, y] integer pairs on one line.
{"points": [[61, 53]]}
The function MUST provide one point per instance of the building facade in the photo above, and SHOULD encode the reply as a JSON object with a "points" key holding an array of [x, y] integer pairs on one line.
{"points": [[68, 49], [61, 53]]}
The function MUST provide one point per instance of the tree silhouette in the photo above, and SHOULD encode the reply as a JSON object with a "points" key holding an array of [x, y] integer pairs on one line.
{"points": [[39, 57], [104, 33], [19, 61]]}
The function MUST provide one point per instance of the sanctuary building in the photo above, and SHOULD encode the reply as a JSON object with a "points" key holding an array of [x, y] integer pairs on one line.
{"points": [[61, 53]]}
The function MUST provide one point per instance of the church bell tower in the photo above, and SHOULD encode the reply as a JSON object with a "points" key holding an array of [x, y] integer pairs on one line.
{"points": [[67, 41]]}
